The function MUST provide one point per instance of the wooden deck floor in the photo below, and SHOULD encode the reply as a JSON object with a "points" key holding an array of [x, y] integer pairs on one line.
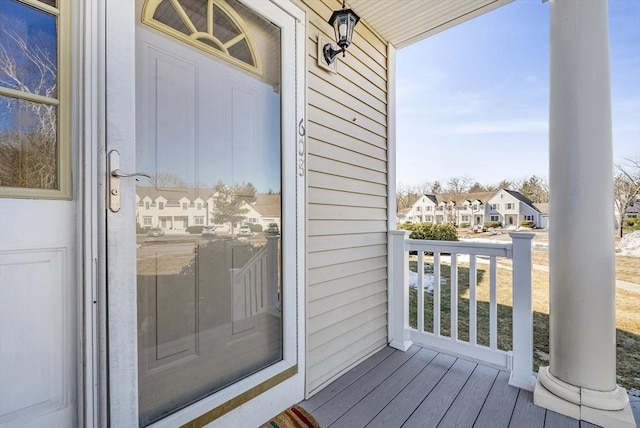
{"points": [[424, 388]]}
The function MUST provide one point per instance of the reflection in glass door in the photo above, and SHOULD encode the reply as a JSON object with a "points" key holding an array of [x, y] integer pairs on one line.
{"points": [[208, 223]]}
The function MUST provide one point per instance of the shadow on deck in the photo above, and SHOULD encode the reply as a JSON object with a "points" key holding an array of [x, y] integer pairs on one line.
{"points": [[424, 388]]}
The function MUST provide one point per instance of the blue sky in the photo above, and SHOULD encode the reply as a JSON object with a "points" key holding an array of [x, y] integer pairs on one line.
{"points": [[473, 100]]}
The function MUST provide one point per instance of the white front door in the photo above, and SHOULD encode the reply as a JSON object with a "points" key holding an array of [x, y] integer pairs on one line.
{"points": [[206, 107], [38, 217]]}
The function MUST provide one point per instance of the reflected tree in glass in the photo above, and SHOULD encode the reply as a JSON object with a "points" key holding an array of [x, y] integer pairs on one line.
{"points": [[28, 65]]}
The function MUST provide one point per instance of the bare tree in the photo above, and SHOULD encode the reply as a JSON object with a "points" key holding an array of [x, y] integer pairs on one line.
{"points": [[169, 180], [28, 146], [458, 185], [626, 187], [406, 196]]}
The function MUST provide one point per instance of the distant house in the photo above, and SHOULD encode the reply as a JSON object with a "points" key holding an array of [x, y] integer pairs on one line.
{"points": [[633, 210], [506, 206], [265, 210], [543, 209], [178, 209], [173, 209], [510, 208], [422, 210], [402, 216]]}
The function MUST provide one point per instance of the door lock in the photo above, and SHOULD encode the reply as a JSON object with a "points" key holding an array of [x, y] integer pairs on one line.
{"points": [[115, 175]]}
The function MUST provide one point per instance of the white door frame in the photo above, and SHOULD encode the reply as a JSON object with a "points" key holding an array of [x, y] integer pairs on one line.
{"points": [[110, 391]]}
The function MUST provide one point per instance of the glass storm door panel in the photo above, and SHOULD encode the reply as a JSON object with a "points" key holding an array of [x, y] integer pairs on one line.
{"points": [[208, 131]]}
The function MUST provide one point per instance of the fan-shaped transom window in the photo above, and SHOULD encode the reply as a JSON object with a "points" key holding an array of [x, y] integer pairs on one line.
{"points": [[211, 25]]}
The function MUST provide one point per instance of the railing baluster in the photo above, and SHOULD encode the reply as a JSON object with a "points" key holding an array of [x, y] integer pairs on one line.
{"points": [[493, 305], [473, 307], [436, 294], [420, 291], [454, 297]]}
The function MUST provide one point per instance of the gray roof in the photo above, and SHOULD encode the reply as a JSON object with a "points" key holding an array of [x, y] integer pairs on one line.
{"points": [[519, 196]]}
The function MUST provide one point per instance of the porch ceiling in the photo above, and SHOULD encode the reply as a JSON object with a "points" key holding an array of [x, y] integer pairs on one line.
{"points": [[403, 22]]}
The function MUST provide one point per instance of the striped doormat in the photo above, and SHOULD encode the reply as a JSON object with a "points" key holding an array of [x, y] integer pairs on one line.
{"points": [[293, 417]]}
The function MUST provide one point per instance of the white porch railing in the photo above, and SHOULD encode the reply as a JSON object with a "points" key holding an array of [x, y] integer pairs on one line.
{"points": [[254, 287], [519, 361]]}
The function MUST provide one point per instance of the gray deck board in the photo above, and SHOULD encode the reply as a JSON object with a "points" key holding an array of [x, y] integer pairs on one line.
{"points": [[405, 403], [423, 388], [526, 414], [345, 380], [330, 411], [365, 410], [556, 420], [465, 409], [435, 405], [498, 407], [635, 408]]}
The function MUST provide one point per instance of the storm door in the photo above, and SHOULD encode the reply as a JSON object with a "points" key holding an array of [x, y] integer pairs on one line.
{"points": [[215, 231]]}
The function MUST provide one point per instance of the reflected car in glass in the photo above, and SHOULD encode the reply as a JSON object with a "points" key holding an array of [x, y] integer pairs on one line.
{"points": [[272, 229], [244, 230], [155, 232], [208, 232]]}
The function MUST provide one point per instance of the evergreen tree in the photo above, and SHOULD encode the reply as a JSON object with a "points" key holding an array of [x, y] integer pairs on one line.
{"points": [[230, 202]]}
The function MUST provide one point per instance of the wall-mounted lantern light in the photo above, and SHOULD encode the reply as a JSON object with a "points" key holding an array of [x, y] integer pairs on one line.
{"points": [[343, 22]]}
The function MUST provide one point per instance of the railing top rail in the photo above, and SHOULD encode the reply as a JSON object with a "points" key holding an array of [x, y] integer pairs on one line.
{"points": [[457, 247]]}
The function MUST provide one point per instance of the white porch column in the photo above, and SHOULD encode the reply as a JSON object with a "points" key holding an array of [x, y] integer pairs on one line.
{"points": [[581, 379]]}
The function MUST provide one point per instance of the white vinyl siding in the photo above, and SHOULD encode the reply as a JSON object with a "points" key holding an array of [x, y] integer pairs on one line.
{"points": [[346, 202]]}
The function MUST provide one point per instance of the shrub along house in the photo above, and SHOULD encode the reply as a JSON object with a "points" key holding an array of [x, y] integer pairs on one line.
{"points": [[99, 329]]}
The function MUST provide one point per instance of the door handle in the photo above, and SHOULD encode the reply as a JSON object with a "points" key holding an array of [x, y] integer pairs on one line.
{"points": [[115, 175], [121, 174]]}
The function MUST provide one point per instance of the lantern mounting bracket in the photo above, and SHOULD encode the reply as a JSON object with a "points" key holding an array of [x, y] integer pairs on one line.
{"points": [[330, 53]]}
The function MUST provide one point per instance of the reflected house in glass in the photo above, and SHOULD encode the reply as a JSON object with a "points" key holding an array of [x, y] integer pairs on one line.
{"points": [[232, 109]]}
